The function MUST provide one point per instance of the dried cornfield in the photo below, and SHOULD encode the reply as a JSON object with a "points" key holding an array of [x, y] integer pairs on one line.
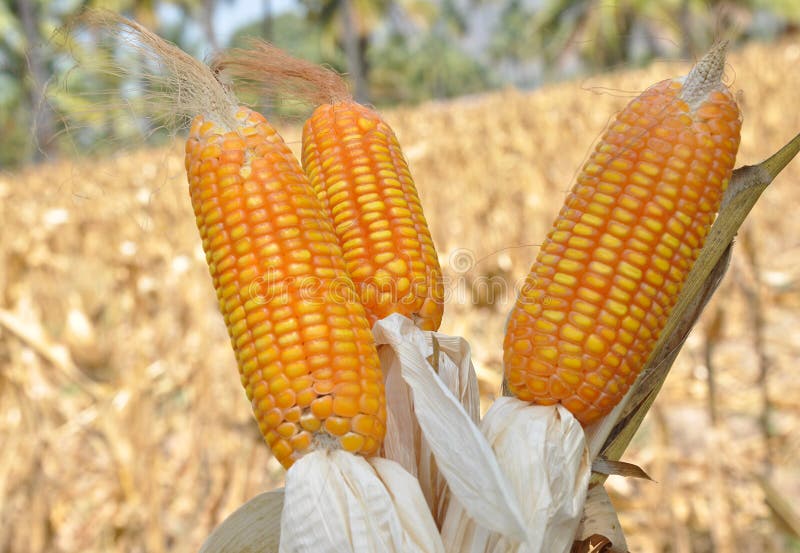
{"points": [[124, 427]]}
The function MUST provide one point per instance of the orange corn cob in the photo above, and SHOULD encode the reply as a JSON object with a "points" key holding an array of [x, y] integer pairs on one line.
{"points": [[354, 162], [303, 344], [612, 267]]}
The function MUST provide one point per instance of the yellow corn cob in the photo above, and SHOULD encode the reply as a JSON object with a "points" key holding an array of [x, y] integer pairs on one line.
{"points": [[358, 171], [303, 344], [610, 270]]}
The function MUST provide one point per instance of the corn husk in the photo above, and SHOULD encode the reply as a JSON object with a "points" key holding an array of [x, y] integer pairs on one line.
{"points": [[542, 451], [600, 518], [338, 502], [254, 527], [432, 426]]}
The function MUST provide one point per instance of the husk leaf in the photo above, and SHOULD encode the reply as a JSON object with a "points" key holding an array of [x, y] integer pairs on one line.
{"points": [[543, 453], [255, 527], [338, 502], [445, 408]]}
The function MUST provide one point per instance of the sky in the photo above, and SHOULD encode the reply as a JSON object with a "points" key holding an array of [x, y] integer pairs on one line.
{"points": [[229, 16], [232, 14]]}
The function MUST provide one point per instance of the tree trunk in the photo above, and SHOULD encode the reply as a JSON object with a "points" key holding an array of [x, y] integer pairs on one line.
{"points": [[41, 115], [207, 20], [352, 51], [267, 25]]}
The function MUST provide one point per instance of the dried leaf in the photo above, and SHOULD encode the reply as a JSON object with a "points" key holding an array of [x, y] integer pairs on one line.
{"points": [[255, 527], [446, 408], [542, 451], [338, 502], [599, 520], [619, 468]]}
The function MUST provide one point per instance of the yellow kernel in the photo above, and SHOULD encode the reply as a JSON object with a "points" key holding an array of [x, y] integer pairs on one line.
{"points": [[675, 227], [623, 215], [345, 406], [570, 377], [285, 326], [648, 168], [595, 345], [549, 353], [618, 229], [398, 266], [592, 220], [600, 268], [610, 241], [628, 270], [592, 168], [309, 422], [612, 176], [565, 279], [352, 442], [300, 441], [369, 405], [273, 418], [636, 258], [569, 266], [283, 399], [582, 229], [291, 353], [545, 326], [595, 281], [603, 199], [537, 385], [548, 259], [616, 308], [584, 307], [522, 346], [569, 332], [278, 384], [363, 424], [342, 334], [322, 407], [554, 316], [580, 319], [558, 289], [337, 426], [303, 398], [382, 258], [621, 164], [589, 295], [281, 449], [559, 236], [580, 242], [630, 324], [286, 429]]}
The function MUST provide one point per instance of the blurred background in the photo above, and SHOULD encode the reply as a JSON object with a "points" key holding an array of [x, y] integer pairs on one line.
{"points": [[122, 422]]}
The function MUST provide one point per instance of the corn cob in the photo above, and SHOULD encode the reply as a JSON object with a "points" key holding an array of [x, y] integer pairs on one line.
{"points": [[611, 268], [354, 162], [303, 344]]}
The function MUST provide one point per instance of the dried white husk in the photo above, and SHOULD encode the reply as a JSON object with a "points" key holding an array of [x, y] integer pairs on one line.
{"points": [[542, 451], [432, 428], [338, 502], [255, 527]]}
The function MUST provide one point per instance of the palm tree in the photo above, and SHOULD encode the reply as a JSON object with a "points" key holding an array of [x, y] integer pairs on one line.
{"points": [[350, 23]]}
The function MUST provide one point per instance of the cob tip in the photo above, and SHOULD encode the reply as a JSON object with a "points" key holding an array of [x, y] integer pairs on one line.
{"points": [[705, 76]]}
